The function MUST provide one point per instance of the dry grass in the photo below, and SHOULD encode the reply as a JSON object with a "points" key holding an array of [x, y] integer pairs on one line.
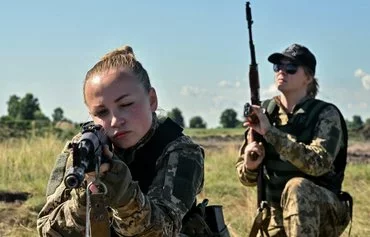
{"points": [[25, 165], [222, 187]]}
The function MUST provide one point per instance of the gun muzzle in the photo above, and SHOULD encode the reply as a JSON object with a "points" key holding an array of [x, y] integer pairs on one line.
{"points": [[74, 177]]}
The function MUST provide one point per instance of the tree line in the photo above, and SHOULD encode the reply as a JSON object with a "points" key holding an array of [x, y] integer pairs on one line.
{"points": [[357, 128], [27, 108], [24, 113], [228, 119], [24, 118]]}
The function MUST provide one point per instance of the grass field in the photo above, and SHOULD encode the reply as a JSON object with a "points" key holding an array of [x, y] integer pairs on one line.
{"points": [[25, 165]]}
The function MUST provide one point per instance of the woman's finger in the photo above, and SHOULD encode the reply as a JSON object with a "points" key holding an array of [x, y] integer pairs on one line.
{"points": [[104, 167], [259, 110], [107, 152]]}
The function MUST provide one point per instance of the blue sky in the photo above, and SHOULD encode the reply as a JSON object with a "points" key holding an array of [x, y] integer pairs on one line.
{"points": [[196, 52]]}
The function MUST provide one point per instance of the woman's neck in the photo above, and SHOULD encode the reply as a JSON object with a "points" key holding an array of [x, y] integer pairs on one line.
{"points": [[289, 100]]}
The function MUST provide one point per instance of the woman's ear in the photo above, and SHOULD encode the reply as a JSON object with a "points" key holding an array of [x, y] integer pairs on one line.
{"points": [[310, 79], [153, 99]]}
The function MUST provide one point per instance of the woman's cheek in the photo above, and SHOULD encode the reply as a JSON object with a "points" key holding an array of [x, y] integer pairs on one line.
{"points": [[104, 123]]}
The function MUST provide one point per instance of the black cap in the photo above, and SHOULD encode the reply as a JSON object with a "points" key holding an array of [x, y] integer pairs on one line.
{"points": [[298, 54]]}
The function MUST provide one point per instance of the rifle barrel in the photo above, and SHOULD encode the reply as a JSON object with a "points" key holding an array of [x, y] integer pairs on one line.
{"points": [[251, 44]]}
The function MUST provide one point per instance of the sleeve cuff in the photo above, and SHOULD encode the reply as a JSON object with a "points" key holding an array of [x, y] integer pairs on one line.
{"points": [[135, 201], [246, 176]]}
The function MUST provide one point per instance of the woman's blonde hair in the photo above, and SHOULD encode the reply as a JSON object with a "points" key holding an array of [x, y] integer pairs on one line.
{"points": [[313, 87], [120, 57]]}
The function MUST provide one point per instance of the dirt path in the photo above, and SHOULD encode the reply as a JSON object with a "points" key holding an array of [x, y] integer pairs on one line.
{"points": [[359, 152]]}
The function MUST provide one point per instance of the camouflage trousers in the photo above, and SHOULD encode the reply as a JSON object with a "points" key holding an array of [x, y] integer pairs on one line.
{"points": [[306, 210]]}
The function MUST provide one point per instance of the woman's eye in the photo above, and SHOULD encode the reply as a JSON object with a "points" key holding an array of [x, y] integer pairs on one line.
{"points": [[101, 113], [126, 104]]}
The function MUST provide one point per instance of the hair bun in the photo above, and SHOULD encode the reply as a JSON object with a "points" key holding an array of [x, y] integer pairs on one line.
{"points": [[125, 50]]}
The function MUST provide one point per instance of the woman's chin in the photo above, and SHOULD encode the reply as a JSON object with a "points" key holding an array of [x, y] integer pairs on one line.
{"points": [[282, 88], [124, 143]]}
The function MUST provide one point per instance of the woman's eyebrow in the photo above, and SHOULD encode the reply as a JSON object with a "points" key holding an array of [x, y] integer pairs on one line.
{"points": [[121, 97]]}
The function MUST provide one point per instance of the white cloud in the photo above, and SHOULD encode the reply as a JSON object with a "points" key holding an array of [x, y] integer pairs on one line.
{"points": [[365, 78], [361, 105], [225, 83], [193, 91], [366, 82], [229, 84], [359, 73], [269, 92], [222, 102], [219, 101]]}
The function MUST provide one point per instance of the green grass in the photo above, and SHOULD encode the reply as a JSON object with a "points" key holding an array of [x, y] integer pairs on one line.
{"points": [[25, 165], [223, 187], [214, 132]]}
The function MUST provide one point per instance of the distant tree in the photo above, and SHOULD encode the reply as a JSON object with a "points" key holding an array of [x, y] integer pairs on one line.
{"points": [[197, 122], [58, 115], [176, 115], [6, 118], [365, 132], [228, 119], [357, 122], [13, 106], [38, 115], [367, 121], [28, 106]]}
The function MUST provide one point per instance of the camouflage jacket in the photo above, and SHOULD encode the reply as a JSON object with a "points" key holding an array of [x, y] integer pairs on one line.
{"points": [[159, 212], [314, 159]]}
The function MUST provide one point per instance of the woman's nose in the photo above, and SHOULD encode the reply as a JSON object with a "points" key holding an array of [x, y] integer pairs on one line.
{"points": [[117, 121]]}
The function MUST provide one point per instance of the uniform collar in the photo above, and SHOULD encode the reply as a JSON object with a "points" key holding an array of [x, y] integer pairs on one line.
{"points": [[296, 108], [128, 155]]}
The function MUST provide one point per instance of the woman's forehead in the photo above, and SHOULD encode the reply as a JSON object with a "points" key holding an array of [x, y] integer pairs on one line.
{"points": [[112, 77], [117, 72]]}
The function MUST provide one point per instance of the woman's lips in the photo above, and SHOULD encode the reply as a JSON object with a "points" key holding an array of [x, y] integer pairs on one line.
{"points": [[281, 80], [120, 134]]}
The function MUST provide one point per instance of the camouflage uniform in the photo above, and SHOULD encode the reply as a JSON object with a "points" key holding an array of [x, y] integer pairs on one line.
{"points": [[159, 212], [305, 209]]}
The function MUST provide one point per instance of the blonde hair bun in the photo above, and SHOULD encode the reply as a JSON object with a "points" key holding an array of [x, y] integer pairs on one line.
{"points": [[125, 50]]}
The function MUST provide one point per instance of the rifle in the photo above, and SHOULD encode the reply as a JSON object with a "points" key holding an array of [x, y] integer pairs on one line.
{"points": [[254, 83], [87, 157], [87, 154], [259, 223]]}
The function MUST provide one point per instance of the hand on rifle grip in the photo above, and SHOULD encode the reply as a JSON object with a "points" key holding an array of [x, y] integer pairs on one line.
{"points": [[253, 155], [250, 137], [253, 118], [254, 152], [250, 115]]}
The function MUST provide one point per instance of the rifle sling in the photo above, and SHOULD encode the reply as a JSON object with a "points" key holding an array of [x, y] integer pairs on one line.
{"points": [[261, 221], [99, 218]]}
